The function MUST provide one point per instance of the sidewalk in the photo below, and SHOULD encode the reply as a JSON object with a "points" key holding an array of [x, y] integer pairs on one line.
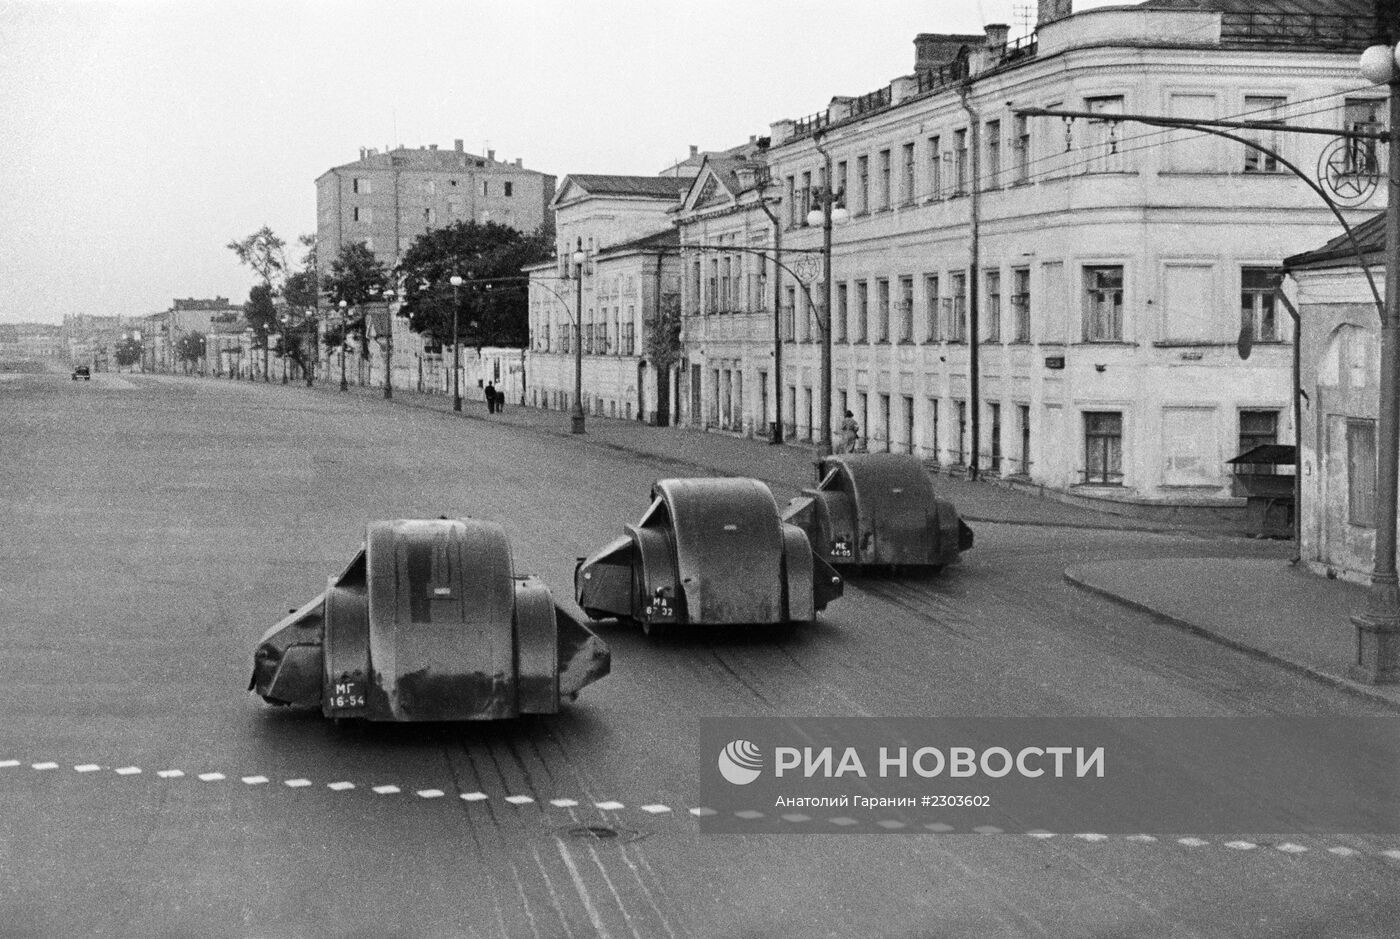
{"points": [[1265, 608], [788, 466]]}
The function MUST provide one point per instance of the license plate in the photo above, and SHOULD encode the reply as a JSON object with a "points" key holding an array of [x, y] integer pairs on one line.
{"points": [[347, 694], [660, 607], [841, 548]]}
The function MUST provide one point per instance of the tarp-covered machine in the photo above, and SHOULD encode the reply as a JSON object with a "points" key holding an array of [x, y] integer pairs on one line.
{"points": [[878, 510], [429, 623], [707, 552]]}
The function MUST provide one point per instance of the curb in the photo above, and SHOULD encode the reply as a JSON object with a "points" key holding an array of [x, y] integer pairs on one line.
{"points": [[1334, 681]]}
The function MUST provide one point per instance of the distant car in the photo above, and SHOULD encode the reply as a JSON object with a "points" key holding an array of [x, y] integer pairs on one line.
{"points": [[83, 372]]}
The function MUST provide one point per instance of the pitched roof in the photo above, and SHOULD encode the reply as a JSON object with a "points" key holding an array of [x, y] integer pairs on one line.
{"points": [[1340, 251], [656, 187]]}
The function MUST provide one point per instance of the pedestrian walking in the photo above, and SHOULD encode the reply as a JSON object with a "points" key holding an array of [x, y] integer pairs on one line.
{"points": [[490, 398], [850, 433]]}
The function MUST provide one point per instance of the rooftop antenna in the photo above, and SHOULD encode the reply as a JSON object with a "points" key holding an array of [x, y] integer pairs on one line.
{"points": [[1025, 18]]}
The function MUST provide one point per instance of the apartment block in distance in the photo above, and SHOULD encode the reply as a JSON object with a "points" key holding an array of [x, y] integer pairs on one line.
{"points": [[386, 200]]}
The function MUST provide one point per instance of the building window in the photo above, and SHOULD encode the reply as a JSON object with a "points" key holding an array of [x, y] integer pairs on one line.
{"points": [[931, 308], [862, 185], [935, 168], [841, 179], [792, 202], [862, 312], [1363, 115], [1021, 304], [995, 462], [992, 173], [1103, 447], [1103, 304], [1022, 129], [1024, 413], [1257, 306], [1102, 149], [932, 448], [1262, 108], [430, 216], [1361, 472], [884, 191], [362, 214], [509, 189], [842, 299], [957, 318], [993, 306], [959, 162], [1257, 428], [962, 432], [907, 195], [805, 199], [906, 309], [361, 186], [882, 310]]}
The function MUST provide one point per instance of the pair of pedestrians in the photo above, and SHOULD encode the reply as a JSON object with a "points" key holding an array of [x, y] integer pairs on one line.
{"points": [[495, 401]]}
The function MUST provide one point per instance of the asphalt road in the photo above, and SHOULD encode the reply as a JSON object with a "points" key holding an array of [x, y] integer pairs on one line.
{"points": [[154, 526]]}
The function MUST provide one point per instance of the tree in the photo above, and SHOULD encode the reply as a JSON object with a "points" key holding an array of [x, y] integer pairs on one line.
{"points": [[497, 314], [264, 253], [260, 312], [190, 348], [356, 277], [129, 351]]}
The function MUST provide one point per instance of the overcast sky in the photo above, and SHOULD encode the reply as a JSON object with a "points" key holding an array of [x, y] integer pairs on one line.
{"points": [[141, 137]]}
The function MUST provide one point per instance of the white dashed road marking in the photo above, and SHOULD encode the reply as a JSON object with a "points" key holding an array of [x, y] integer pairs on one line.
{"points": [[87, 768], [430, 793], [6, 764], [255, 780], [519, 800], [1289, 848], [211, 777], [128, 771], [340, 786], [656, 809], [386, 790], [170, 773], [44, 765], [296, 783], [474, 796], [1241, 845], [1192, 842], [609, 806]]}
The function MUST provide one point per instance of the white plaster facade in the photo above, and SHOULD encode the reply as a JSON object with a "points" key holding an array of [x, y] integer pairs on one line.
{"points": [[623, 226], [1340, 377], [1113, 260]]}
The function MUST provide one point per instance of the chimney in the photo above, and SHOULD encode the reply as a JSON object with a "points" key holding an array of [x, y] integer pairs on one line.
{"points": [[997, 33], [432, 146], [1051, 10], [491, 156], [694, 150], [519, 163], [457, 145], [362, 153]]}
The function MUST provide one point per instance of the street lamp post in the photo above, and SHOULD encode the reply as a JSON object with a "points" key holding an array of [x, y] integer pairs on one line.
{"points": [[344, 385], [830, 211], [456, 281], [1378, 625], [389, 296], [576, 423]]}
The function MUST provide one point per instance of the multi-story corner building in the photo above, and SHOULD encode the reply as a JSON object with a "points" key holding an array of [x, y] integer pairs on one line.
{"points": [[386, 200], [623, 226], [1058, 301]]}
